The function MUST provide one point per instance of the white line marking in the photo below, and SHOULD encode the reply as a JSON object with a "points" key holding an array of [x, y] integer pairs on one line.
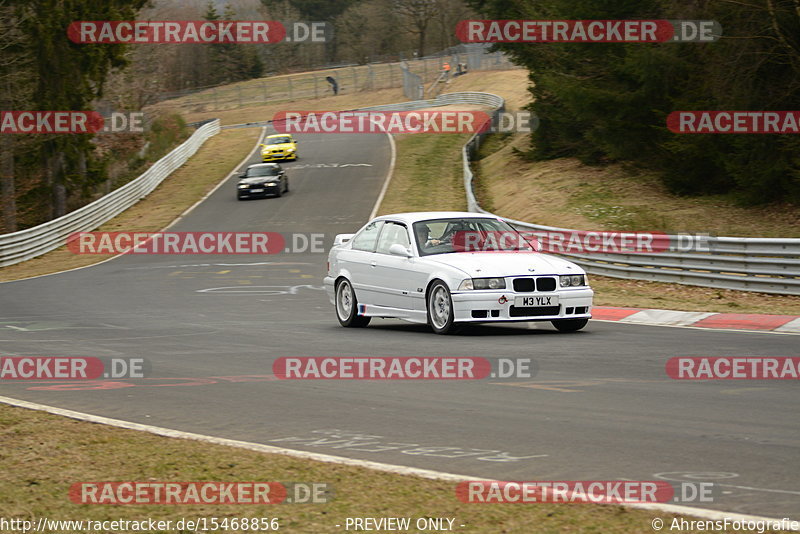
{"points": [[792, 326], [326, 458], [388, 178], [706, 328], [665, 317]]}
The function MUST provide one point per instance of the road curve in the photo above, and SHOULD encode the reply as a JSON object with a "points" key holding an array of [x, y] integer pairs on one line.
{"points": [[601, 406]]}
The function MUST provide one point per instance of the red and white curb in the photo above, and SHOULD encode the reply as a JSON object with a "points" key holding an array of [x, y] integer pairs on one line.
{"points": [[789, 324]]}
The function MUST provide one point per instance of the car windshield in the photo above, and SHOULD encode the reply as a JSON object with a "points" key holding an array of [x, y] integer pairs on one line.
{"points": [[262, 171], [444, 236], [278, 140]]}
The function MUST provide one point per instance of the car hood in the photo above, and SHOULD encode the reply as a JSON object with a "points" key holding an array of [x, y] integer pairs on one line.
{"points": [[259, 179], [487, 264], [282, 146]]}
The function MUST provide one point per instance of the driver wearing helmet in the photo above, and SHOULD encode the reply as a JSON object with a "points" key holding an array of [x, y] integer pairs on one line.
{"points": [[423, 236]]}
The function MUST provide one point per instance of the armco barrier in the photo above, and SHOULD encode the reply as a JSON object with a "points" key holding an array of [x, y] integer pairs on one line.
{"points": [[766, 265], [31, 242]]}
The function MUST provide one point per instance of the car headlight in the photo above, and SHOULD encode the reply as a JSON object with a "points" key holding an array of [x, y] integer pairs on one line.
{"points": [[573, 280], [289, 150], [482, 283], [242, 186]]}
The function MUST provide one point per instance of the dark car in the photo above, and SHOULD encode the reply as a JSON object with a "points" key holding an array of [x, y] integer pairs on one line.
{"points": [[262, 180]]}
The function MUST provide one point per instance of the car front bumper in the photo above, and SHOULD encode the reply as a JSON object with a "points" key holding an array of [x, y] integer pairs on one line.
{"points": [[278, 157], [482, 306], [268, 190]]}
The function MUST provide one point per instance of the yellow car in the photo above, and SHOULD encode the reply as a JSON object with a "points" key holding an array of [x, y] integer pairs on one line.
{"points": [[279, 147]]}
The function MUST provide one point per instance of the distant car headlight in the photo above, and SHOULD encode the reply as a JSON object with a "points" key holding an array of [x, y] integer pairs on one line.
{"points": [[572, 280], [482, 283]]}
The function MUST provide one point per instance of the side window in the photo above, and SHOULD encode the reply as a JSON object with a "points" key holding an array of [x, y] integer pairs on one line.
{"points": [[392, 233], [367, 237]]}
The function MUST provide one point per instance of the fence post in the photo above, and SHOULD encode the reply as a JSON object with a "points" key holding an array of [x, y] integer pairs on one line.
{"points": [[289, 83], [315, 87], [264, 85]]}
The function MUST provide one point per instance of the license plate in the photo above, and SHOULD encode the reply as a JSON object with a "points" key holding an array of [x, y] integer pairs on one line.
{"points": [[256, 190], [529, 302]]}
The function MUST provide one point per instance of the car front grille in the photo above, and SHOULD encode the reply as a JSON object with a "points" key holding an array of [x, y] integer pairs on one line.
{"points": [[528, 285], [532, 311]]}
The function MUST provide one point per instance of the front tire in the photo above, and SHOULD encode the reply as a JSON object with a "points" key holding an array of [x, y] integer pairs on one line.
{"points": [[569, 325], [347, 306], [441, 316]]}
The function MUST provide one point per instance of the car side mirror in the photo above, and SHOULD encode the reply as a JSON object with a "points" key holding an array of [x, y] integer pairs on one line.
{"points": [[342, 239], [399, 250], [262, 145]]}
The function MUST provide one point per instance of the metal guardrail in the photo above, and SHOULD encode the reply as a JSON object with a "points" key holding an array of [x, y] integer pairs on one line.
{"points": [[766, 265], [26, 244]]}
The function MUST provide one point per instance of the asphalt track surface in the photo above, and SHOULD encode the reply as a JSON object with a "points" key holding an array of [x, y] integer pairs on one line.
{"points": [[600, 408]]}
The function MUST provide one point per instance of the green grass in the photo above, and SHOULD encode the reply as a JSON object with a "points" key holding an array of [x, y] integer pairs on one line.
{"points": [[428, 175], [44, 454]]}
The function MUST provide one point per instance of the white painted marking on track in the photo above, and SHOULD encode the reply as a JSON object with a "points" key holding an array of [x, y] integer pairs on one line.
{"points": [[665, 317], [790, 327], [260, 290]]}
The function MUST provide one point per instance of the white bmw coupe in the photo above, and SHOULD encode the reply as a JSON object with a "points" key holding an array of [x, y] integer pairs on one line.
{"points": [[450, 268]]}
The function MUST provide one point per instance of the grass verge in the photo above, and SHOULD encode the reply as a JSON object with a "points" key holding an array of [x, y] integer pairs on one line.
{"points": [[427, 174], [40, 466]]}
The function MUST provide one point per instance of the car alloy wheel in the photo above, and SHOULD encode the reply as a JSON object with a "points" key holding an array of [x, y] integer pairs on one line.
{"points": [[347, 306], [440, 309]]}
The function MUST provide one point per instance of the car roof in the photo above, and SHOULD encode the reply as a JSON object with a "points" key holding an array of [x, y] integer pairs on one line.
{"points": [[263, 165], [278, 135], [412, 217]]}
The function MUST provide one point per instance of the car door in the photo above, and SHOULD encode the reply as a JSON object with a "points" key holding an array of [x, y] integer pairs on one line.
{"points": [[397, 277], [359, 260]]}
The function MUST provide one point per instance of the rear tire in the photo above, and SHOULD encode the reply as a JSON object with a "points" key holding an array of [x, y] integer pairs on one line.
{"points": [[347, 306], [441, 316], [569, 325]]}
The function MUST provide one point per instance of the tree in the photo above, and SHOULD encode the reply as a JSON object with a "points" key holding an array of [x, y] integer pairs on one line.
{"points": [[418, 16], [609, 102], [69, 76]]}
